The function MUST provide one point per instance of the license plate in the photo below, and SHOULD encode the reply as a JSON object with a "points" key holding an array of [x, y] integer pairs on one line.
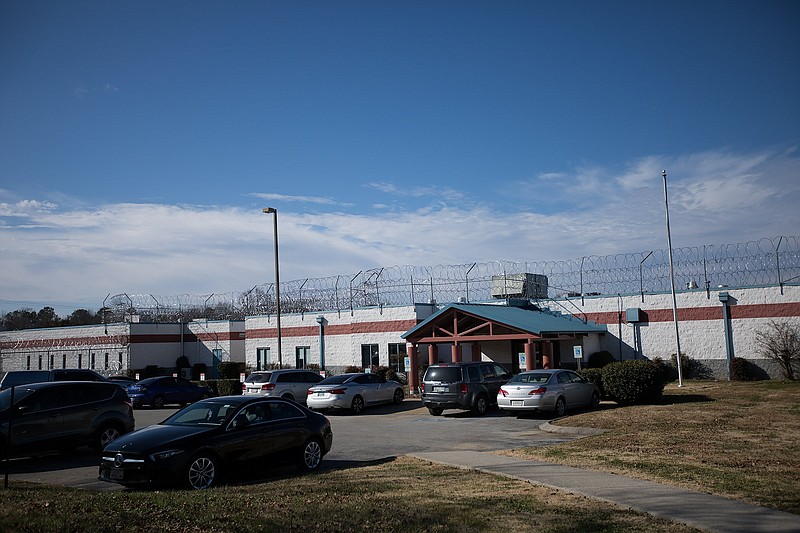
{"points": [[116, 473], [320, 394], [517, 403], [440, 389]]}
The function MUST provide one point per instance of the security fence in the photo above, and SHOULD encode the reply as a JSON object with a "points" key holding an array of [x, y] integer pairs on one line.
{"points": [[768, 261]]}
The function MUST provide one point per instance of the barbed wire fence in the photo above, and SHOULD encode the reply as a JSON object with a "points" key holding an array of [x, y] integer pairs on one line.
{"points": [[768, 261]]}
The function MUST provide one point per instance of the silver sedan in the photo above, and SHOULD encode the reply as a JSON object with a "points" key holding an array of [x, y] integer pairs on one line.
{"points": [[547, 390], [354, 392]]}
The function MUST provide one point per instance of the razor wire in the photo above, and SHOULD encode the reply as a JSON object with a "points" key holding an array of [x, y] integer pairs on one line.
{"points": [[768, 261]]}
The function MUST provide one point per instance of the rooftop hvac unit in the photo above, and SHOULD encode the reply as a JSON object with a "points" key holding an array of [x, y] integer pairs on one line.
{"points": [[519, 286]]}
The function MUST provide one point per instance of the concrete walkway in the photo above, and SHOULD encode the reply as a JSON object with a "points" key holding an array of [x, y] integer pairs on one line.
{"points": [[696, 509]]}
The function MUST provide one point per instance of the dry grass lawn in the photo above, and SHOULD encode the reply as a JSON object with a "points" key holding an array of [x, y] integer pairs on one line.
{"points": [[739, 440]]}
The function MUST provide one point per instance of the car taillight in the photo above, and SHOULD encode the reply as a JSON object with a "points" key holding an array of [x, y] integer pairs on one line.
{"points": [[337, 391], [464, 388], [540, 390], [422, 388], [268, 386], [244, 387], [503, 391]]}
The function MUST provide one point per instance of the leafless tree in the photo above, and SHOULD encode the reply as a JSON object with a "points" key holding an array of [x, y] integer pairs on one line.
{"points": [[780, 342]]}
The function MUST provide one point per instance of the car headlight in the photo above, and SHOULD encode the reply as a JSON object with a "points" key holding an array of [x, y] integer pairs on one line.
{"points": [[160, 456]]}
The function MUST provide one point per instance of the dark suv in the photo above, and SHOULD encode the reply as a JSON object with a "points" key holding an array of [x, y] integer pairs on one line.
{"points": [[23, 377], [467, 386], [63, 415]]}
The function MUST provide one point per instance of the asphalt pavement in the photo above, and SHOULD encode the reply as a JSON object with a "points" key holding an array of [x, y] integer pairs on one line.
{"points": [[464, 441]]}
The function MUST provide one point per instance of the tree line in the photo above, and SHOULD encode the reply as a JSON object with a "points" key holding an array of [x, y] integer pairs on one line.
{"points": [[46, 317]]}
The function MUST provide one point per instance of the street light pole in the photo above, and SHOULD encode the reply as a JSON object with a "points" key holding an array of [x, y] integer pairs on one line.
{"points": [[272, 210], [672, 284]]}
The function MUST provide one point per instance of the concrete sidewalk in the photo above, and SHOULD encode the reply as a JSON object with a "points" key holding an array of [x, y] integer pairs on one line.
{"points": [[696, 509]]}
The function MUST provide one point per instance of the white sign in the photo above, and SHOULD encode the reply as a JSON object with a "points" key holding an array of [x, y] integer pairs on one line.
{"points": [[522, 360], [407, 364], [578, 351]]}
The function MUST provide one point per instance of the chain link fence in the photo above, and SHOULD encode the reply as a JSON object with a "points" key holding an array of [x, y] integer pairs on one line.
{"points": [[768, 261]]}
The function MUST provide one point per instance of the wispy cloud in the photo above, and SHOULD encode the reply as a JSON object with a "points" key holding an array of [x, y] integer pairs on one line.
{"points": [[301, 199], [434, 192], [80, 254]]}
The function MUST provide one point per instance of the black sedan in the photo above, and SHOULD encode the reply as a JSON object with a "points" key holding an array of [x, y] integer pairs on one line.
{"points": [[196, 445]]}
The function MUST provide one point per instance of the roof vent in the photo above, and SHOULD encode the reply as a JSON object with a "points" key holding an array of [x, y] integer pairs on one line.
{"points": [[525, 285]]}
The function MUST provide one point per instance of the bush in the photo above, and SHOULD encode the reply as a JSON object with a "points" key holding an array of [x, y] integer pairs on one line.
{"points": [[600, 359], [226, 387], [595, 375], [150, 371], [230, 369], [780, 342], [385, 372], [182, 362], [668, 372], [197, 369], [742, 369], [633, 382], [352, 369]]}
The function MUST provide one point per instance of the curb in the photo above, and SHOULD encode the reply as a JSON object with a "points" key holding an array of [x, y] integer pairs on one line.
{"points": [[581, 432]]}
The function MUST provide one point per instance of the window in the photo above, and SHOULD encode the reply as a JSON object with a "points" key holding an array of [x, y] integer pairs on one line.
{"points": [[397, 356], [301, 356], [91, 360], [262, 358], [80, 360], [120, 360], [369, 355], [106, 367], [64, 361], [40, 361], [28, 363], [51, 361]]}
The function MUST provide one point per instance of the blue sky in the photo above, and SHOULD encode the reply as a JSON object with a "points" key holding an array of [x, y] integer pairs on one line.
{"points": [[139, 141]]}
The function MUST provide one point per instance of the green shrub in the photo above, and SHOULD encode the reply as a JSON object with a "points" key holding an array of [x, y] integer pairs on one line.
{"points": [[150, 371], [633, 382], [742, 369], [600, 359], [385, 372], [197, 369], [225, 387], [352, 369], [667, 371], [595, 375], [230, 369]]}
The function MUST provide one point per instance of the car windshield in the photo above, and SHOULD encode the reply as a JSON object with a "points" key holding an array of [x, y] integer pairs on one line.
{"points": [[146, 382], [19, 394], [209, 413], [258, 378], [530, 378], [336, 380]]}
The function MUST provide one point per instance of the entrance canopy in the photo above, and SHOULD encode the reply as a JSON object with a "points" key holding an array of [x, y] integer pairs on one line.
{"points": [[460, 323]]}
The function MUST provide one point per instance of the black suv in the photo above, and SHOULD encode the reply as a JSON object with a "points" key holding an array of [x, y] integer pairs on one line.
{"points": [[23, 377], [63, 415], [468, 386]]}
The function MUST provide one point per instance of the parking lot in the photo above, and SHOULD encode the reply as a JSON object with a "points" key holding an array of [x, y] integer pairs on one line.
{"points": [[377, 433]]}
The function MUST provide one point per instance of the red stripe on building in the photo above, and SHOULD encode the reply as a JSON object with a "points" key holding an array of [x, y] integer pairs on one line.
{"points": [[337, 329], [691, 314]]}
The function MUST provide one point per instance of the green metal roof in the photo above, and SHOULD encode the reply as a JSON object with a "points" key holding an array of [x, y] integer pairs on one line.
{"points": [[527, 319]]}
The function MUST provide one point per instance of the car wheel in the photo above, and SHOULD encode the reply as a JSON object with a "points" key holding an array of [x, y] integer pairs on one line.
{"points": [[288, 396], [158, 402], [595, 403], [358, 405], [398, 397], [435, 411], [561, 407], [105, 435], [481, 405], [203, 472], [311, 455]]}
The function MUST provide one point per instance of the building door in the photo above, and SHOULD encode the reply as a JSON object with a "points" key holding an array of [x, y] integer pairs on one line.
{"points": [[262, 358]]}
